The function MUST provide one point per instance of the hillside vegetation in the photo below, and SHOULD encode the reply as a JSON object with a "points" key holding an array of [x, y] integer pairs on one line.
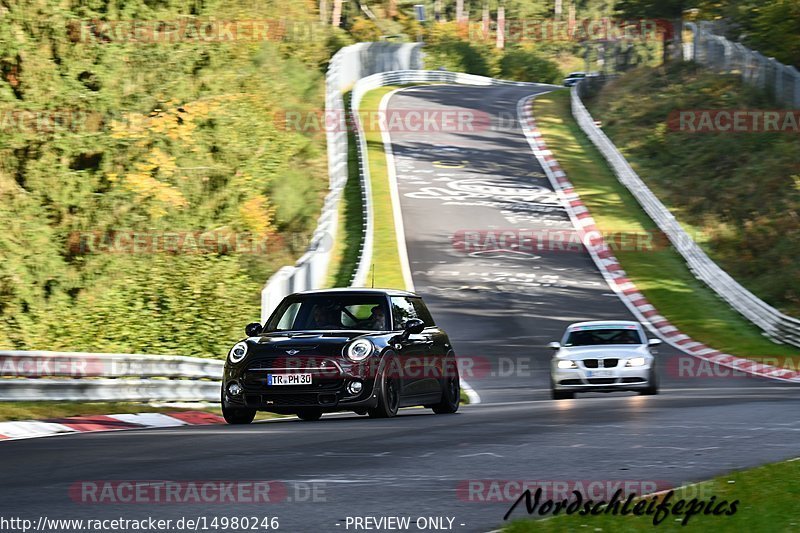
{"points": [[163, 140], [739, 193]]}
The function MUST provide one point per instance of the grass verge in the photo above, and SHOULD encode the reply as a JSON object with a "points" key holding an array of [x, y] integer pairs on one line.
{"points": [[739, 192], [385, 257], [661, 275], [767, 502]]}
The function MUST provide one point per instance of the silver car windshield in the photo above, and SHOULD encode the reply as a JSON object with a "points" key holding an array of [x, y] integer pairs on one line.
{"points": [[594, 337]]}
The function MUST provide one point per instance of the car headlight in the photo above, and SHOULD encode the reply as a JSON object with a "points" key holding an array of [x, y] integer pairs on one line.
{"points": [[636, 361], [359, 350], [567, 364], [238, 352]]}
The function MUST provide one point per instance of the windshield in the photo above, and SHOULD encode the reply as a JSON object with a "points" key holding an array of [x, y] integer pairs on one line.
{"points": [[600, 336], [326, 312]]}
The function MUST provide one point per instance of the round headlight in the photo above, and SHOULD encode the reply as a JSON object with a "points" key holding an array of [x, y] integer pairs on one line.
{"points": [[359, 350], [238, 352]]}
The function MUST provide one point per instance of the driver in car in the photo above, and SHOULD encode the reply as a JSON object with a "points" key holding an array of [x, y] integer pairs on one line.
{"points": [[376, 320], [322, 318]]}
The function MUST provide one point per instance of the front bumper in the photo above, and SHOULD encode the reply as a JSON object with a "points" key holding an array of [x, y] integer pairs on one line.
{"points": [[327, 390], [584, 379]]}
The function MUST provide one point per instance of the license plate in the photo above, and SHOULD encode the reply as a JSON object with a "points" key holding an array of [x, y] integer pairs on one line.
{"points": [[599, 373], [288, 379]]}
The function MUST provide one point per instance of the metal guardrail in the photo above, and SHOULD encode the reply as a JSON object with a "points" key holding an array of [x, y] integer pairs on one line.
{"points": [[718, 53], [776, 325], [346, 67], [68, 376]]}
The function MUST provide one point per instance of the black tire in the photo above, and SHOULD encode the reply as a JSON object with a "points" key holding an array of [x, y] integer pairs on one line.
{"points": [[451, 394], [309, 415], [652, 388], [562, 394], [388, 396], [236, 415]]}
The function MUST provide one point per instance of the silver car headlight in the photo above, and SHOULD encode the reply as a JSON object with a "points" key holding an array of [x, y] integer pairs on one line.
{"points": [[564, 363], [636, 361], [359, 350], [238, 352]]}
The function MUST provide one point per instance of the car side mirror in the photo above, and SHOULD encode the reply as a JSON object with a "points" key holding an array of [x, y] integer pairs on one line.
{"points": [[653, 342], [413, 326], [554, 346], [253, 329]]}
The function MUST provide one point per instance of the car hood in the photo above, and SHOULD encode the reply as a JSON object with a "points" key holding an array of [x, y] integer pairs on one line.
{"points": [[306, 343], [611, 350], [288, 338]]}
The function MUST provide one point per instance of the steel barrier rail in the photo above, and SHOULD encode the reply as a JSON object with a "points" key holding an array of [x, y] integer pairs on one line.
{"points": [[69, 376], [108, 390], [108, 365], [776, 325]]}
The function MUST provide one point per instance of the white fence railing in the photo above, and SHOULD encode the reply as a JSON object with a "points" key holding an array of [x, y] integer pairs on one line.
{"points": [[347, 66], [68, 376], [718, 53], [776, 325]]}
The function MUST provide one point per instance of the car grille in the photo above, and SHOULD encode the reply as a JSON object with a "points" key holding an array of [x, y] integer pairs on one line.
{"points": [[294, 364], [601, 381], [290, 400], [607, 363]]}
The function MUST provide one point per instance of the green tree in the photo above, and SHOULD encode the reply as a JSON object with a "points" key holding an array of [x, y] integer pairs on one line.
{"points": [[671, 11]]}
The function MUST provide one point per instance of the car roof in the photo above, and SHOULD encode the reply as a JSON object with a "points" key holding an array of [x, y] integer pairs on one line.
{"points": [[356, 290], [621, 323]]}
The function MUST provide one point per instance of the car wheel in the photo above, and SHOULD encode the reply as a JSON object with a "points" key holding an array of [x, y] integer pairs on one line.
{"points": [[236, 415], [562, 394], [309, 415], [652, 386], [451, 395], [388, 397]]}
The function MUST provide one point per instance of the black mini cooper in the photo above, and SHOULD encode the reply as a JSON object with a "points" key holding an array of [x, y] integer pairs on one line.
{"points": [[365, 350]]}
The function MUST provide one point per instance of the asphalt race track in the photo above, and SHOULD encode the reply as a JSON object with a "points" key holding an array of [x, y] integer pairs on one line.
{"points": [[500, 310]]}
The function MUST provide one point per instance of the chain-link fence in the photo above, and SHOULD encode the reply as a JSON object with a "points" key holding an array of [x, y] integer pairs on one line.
{"points": [[718, 53]]}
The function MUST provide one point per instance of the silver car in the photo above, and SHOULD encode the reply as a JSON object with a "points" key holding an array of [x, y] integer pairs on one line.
{"points": [[573, 78], [603, 356]]}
